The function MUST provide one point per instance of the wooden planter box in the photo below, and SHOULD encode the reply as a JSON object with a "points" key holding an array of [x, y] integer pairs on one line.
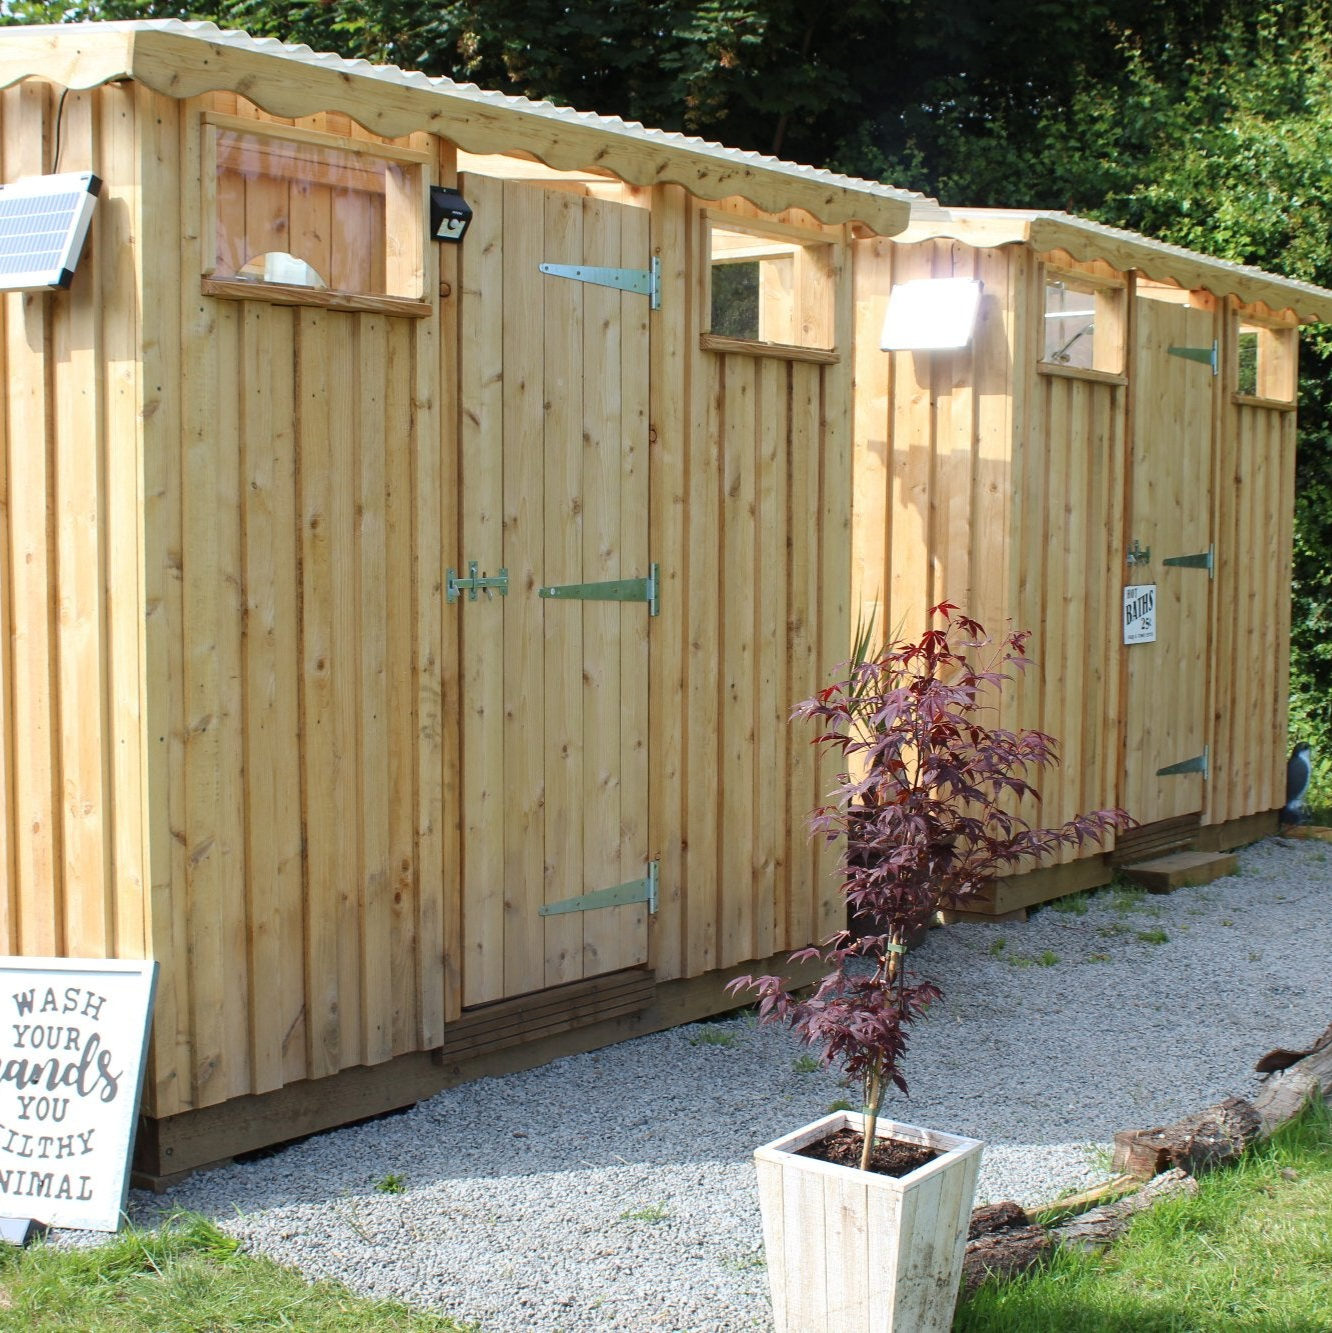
{"points": [[851, 1251]]}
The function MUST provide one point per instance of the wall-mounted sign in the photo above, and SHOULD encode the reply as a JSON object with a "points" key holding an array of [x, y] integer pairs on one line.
{"points": [[1140, 613], [73, 1034]]}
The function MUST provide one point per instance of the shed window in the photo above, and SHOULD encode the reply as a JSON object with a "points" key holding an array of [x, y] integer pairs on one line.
{"points": [[769, 284], [296, 208], [1265, 357], [1083, 324]]}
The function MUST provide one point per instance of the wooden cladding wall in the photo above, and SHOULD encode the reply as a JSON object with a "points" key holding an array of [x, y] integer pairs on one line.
{"points": [[297, 660], [750, 512], [1068, 514], [1254, 517], [935, 431], [72, 744], [983, 483]]}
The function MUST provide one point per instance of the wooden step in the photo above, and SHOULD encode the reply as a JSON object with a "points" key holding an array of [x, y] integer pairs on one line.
{"points": [[1165, 874]]}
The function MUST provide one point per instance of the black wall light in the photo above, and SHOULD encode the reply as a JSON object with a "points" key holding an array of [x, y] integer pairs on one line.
{"points": [[450, 214]]}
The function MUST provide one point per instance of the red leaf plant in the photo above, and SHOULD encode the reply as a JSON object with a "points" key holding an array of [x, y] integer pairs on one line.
{"points": [[927, 814]]}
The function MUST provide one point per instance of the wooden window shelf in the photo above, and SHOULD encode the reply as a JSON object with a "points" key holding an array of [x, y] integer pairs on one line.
{"points": [[716, 342], [277, 293]]}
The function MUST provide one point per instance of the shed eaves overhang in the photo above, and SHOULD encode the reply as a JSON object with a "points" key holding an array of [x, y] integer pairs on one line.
{"points": [[182, 60], [1125, 251]]}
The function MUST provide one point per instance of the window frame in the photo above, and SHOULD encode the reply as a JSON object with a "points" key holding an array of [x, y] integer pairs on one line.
{"points": [[1276, 376], [1111, 295], [406, 223], [814, 284]]}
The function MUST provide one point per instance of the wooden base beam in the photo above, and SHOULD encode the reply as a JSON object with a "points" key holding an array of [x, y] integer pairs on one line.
{"points": [[170, 1148]]}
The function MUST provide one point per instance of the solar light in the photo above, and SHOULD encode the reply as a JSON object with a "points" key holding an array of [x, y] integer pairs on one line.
{"points": [[931, 314], [43, 223], [450, 214]]}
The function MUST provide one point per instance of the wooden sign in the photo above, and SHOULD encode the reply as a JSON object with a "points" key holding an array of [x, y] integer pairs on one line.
{"points": [[73, 1036], [1140, 613]]}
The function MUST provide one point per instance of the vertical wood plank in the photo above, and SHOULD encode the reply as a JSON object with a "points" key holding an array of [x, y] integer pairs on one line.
{"points": [[564, 503], [36, 775], [401, 592], [636, 776], [439, 775], [373, 718], [481, 440], [735, 877], [272, 765], [525, 668], [120, 245], [170, 238], [673, 370], [82, 707], [771, 706], [872, 387], [804, 789], [603, 521], [702, 579], [850, 1265]]}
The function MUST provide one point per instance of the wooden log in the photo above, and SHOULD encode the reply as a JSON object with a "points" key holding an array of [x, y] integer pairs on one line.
{"points": [[1096, 1229], [1195, 1144], [996, 1217], [1004, 1254]]}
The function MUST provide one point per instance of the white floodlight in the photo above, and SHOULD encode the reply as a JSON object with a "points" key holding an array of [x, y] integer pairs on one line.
{"points": [[931, 314]]}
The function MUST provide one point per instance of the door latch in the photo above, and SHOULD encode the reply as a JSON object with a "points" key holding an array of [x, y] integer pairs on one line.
{"points": [[454, 587]]}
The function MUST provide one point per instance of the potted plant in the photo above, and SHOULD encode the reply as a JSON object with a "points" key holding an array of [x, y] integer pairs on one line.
{"points": [[927, 812]]}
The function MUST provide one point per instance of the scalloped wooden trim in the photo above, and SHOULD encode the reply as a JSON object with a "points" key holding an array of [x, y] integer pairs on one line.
{"points": [[182, 65]]}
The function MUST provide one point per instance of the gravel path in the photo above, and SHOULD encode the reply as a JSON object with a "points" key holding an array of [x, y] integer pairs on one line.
{"points": [[615, 1191]]}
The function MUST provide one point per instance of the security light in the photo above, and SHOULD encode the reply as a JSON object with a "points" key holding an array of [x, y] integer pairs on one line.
{"points": [[931, 314]]}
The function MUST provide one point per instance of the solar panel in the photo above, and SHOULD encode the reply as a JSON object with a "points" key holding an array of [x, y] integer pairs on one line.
{"points": [[43, 223]]}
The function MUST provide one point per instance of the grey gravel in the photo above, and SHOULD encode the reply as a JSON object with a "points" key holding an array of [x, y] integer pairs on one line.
{"points": [[614, 1190]]}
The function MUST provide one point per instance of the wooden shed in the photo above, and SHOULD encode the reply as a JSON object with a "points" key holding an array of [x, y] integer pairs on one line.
{"points": [[1122, 417], [399, 632], [285, 478]]}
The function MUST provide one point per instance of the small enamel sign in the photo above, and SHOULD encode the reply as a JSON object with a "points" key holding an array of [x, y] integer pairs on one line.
{"points": [[1140, 613], [73, 1035]]}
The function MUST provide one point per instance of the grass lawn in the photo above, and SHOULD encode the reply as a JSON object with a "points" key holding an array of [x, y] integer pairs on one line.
{"points": [[1251, 1253], [187, 1277]]}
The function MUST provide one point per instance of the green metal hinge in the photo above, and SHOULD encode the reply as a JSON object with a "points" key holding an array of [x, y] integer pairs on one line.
{"points": [[1203, 560], [616, 590], [636, 891], [454, 587], [1195, 765], [645, 281], [1207, 355]]}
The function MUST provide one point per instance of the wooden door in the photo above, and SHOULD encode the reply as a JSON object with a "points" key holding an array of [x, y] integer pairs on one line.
{"points": [[553, 396], [1169, 515]]}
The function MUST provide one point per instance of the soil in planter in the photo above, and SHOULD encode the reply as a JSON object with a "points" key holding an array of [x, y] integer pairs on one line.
{"points": [[891, 1157]]}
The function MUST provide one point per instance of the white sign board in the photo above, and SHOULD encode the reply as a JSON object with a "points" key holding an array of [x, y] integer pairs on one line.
{"points": [[73, 1035], [1140, 613]]}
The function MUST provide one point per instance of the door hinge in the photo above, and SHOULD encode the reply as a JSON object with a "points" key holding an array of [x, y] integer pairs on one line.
{"points": [[1203, 560], [645, 281], [1198, 764], [635, 891], [616, 590], [1207, 355], [454, 586]]}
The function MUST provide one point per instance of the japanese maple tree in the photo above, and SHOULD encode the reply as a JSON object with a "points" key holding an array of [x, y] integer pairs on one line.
{"points": [[927, 811]]}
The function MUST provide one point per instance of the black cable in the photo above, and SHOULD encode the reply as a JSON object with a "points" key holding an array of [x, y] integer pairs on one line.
{"points": [[60, 112]]}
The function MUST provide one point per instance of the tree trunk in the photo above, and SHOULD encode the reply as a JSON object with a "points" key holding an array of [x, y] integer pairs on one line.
{"points": [[1195, 1144]]}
